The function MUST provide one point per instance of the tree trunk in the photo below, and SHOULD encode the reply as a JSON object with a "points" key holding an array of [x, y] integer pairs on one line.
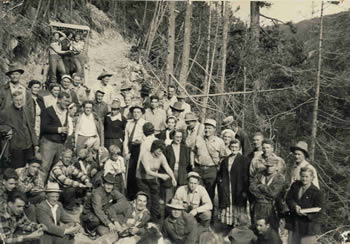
{"points": [[186, 45], [171, 41], [205, 89], [144, 15], [36, 15], [224, 55], [317, 92], [255, 22]]}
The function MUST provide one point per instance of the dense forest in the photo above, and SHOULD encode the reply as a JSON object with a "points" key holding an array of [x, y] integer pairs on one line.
{"points": [[269, 72]]}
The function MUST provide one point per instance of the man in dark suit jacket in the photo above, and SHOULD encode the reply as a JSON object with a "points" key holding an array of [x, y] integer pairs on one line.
{"points": [[51, 213], [177, 153], [24, 139], [56, 125]]}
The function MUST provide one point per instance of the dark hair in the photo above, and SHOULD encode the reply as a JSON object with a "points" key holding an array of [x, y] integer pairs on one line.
{"points": [[63, 94], [148, 129], [235, 141], [154, 97], [258, 134], [170, 117], [260, 217], [34, 160], [14, 195], [157, 144], [53, 85], [171, 86], [267, 141], [151, 235], [33, 82], [87, 102], [183, 133], [10, 173]]}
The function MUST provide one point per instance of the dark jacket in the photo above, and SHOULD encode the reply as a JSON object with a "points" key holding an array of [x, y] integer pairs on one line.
{"points": [[312, 197], [239, 180], [269, 237], [184, 164], [22, 124], [162, 135], [242, 136], [49, 125], [101, 109], [114, 129], [44, 216]]}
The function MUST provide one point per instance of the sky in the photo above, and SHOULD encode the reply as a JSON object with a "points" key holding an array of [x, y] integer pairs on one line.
{"points": [[287, 10]]}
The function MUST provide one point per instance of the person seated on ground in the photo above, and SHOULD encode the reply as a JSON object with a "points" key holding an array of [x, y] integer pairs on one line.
{"points": [[266, 235], [266, 188], [258, 163], [15, 227], [180, 227], [51, 98], [115, 165], [196, 200], [8, 184], [71, 180], [50, 212], [86, 163], [134, 226], [303, 194], [241, 234], [105, 208], [31, 183]]}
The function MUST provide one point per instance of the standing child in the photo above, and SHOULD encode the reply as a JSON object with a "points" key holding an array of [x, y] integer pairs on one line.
{"points": [[116, 166], [241, 234]]}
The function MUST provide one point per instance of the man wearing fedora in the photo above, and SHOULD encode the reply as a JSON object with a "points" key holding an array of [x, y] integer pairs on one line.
{"points": [[105, 208], [208, 152], [133, 138], [242, 135], [15, 227], [176, 111], [50, 213], [156, 115], [105, 86], [185, 106], [24, 142], [180, 227], [196, 199], [7, 90], [194, 129], [301, 153]]}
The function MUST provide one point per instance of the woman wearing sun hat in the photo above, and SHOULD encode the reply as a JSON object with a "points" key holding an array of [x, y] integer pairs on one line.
{"points": [[301, 153]]}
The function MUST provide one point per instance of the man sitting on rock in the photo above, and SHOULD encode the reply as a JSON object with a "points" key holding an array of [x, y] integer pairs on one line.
{"points": [[196, 199]]}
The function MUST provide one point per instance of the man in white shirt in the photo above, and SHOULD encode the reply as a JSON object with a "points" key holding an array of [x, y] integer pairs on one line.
{"points": [[104, 86], [134, 136], [88, 126], [156, 115], [196, 199], [171, 98]]}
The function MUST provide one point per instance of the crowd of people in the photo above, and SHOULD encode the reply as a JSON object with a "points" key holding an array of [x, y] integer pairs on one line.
{"points": [[104, 163]]}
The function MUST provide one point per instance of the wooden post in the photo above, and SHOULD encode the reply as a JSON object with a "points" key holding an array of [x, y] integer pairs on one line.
{"points": [[317, 91], [255, 22], [244, 94]]}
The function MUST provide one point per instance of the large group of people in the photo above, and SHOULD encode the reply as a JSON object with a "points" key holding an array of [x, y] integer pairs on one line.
{"points": [[104, 163]]}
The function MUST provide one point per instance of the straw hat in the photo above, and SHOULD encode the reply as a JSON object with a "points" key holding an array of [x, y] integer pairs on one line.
{"points": [[302, 146], [176, 204], [177, 107], [15, 68], [190, 117], [210, 122], [52, 187], [104, 74]]}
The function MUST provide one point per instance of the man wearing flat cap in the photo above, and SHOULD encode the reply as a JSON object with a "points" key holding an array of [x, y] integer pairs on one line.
{"points": [[105, 86], [6, 98], [196, 199], [208, 152], [102, 211], [180, 227], [230, 123], [194, 129]]}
